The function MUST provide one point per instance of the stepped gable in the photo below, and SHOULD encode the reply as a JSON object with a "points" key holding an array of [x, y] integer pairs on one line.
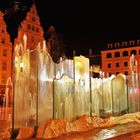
{"points": [[4, 35], [32, 28]]}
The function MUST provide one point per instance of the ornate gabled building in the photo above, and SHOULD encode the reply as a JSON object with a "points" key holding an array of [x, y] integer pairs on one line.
{"points": [[5, 54], [115, 59], [32, 28]]}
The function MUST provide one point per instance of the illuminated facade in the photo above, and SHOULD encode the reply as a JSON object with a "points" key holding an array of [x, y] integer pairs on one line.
{"points": [[116, 58], [5, 54], [32, 28]]}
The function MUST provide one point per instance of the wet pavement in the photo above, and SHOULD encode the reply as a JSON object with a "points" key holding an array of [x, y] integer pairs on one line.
{"points": [[130, 131]]}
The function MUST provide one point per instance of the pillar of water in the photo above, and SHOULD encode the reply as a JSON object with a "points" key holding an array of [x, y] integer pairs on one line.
{"points": [[96, 95], [64, 91], [45, 85], [107, 95], [6, 110], [22, 98], [133, 86], [119, 95], [82, 86]]}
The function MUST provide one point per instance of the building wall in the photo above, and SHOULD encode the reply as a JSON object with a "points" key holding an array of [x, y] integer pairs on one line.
{"points": [[116, 59], [5, 54]]}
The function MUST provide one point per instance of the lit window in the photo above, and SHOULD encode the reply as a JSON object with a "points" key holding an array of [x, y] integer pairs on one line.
{"points": [[125, 64], [4, 52], [117, 64], [3, 65], [109, 55], [109, 65]]}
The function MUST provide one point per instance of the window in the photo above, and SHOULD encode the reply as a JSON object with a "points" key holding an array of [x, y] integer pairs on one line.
{"points": [[117, 64], [132, 42], [109, 74], [126, 72], [4, 65], [33, 28], [109, 55], [3, 40], [117, 54], [32, 39], [109, 65], [33, 19], [37, 30], [3, 78], [138, 42], [125, 64], [33, 11], [4, 52], [133, 52], [110, 46], [117, 73], [117, 45], [124, 44], [2, 31], [28, 27], [125, 53]]}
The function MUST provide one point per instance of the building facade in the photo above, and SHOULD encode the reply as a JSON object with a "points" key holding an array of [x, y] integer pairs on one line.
{"points": [[116, 59], [5, 54], [32, 28]]}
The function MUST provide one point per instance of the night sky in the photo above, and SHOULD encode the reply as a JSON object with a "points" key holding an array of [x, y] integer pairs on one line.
{"points": [[85, 24]]}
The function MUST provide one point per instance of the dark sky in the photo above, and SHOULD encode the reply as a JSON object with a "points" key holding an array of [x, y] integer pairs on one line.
{"points": [[86, 24]]}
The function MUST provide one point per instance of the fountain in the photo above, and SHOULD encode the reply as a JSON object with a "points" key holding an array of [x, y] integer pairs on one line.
{"points": [[133, 86], [67, 90], [34, 71], [119, 95], [82, 86], [6, 110]]}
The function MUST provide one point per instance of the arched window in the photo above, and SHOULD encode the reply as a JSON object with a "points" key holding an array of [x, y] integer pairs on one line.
{"points": [[109, 55], [133, 52], [125, 53], [117, 54]]}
